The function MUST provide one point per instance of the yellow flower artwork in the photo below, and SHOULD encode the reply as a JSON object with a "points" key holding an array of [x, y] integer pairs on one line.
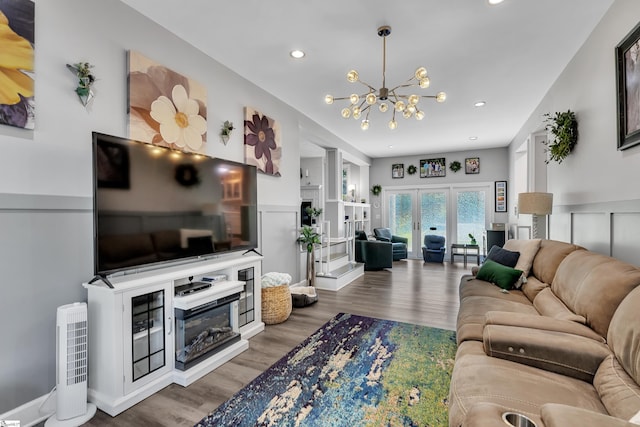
{"points": [[16, 64], [165, 107]]}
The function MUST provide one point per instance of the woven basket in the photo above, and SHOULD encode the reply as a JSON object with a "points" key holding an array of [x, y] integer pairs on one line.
{"points": [[276, 304]]}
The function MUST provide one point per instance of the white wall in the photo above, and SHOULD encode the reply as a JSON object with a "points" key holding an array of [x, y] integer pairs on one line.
{"points": [[45, 174], [595, 189]]}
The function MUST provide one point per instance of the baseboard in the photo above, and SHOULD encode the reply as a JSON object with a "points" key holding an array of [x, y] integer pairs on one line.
{"points": [[30, 413]]}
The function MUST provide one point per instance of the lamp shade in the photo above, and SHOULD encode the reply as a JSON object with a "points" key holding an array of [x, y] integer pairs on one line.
{"points": [[535, 203]]}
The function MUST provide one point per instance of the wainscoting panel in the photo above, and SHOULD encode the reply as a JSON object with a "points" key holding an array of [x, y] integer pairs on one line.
{"points": [[625, 241], [609, 228], [592, 231], [279, 227]]}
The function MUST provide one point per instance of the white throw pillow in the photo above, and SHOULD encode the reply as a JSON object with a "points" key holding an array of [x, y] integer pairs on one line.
{"points": [[528, 250], [635, 419]]}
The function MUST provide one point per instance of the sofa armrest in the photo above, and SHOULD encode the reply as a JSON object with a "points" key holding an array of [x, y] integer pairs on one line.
{"points": [[566, 354], [485, 414], [544, 323], [399, 239], [383, 239], [556, 415]]}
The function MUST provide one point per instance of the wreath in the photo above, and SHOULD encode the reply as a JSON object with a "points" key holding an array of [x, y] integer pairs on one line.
{"points": [[411, 169], [376, 189], [455, 166], [187, 175], [564, 128]]}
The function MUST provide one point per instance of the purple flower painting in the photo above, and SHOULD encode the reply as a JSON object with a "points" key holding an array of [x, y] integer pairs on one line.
{"points": [[165, 108], [262, 146], [16, 63]]}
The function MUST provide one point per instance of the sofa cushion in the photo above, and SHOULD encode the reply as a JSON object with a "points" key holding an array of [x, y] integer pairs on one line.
{"points": [[550, 305], [479, 378], [471, 316], [503, 256], [619, 393], [528, 250], [593, 285], [471, 286], [498, 274], [533, 287], [549, 257], [624, 334]]}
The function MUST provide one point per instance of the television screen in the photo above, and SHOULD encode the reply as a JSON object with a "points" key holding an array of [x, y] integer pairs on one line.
{"points": [[155, 205]]}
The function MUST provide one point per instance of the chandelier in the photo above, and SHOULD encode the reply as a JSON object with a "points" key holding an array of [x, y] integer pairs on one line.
{"points": [[386, 98]]}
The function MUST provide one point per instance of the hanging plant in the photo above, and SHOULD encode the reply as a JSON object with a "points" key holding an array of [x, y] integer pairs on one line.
{"points": [[411, 169], [564, 128], [376, 190], [225, 131], [455, 166], [82, 70]]}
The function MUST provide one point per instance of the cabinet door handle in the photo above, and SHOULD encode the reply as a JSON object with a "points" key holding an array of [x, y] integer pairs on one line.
{"points": [[170, 326]]}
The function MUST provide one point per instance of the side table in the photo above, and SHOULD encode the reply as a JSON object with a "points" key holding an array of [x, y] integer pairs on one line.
{"points": [[465, 251]]}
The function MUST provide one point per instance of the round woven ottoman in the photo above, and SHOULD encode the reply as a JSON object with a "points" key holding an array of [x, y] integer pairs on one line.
{"points": [[276, 304]]}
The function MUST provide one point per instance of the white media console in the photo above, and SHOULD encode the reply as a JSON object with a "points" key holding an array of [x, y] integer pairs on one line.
{"points": [[132, 328]]}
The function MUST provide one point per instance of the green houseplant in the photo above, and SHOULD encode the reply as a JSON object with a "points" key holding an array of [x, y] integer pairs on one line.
{"points": [[309, 238], [564, 128]]}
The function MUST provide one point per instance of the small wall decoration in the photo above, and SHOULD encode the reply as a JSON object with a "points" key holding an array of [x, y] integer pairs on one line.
{"points": [[455, 166], [17, 106], [472, 165], [411, 170], [430, 168], [376, 190], [628, 93], [397, 170], [225, 131], [82, 71], [501, 196], [262, 146], [187, 175], [165, 107], [564, 128]]}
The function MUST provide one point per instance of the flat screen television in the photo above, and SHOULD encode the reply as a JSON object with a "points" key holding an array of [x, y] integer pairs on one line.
{"points": [[154, 205]]}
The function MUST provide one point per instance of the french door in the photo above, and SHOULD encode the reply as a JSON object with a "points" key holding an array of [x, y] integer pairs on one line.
{"points": [[452, 212]]}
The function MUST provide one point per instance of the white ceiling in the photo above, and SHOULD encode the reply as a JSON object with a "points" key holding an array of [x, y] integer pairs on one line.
{"points": [[507, 55]]}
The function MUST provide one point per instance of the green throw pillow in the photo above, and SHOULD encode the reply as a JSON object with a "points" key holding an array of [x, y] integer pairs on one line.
{"points": [[498, 274]]}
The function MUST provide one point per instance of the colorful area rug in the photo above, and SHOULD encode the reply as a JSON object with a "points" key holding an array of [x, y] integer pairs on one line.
{"points": [[354, 371]]}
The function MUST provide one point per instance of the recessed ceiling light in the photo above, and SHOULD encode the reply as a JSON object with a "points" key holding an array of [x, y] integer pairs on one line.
{"points": [[480, 104], [473, 138], [493, 2], [391, 146], [297, 54]]}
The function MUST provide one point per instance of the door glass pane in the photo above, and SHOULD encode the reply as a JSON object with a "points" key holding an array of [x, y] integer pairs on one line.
{"points": [[471, 216], [433, 213], [400, 216]]}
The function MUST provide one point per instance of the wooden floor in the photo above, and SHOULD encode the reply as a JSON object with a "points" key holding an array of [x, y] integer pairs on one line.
{"points": [[412, 291]]}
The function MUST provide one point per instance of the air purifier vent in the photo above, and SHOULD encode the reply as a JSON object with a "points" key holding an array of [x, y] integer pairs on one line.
{"points": [[76, 348]]}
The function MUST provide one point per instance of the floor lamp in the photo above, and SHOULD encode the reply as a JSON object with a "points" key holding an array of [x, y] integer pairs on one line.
{"points": [[538, 205]]}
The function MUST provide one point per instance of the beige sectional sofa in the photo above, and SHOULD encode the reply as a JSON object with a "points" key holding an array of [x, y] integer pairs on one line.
{"points": [[563, 349]]}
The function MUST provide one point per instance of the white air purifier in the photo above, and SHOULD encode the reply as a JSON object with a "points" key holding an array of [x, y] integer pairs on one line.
{"points": [[72, 367]]}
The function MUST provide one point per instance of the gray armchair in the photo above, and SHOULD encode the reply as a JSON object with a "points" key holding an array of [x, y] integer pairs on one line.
{"points": [[434, 248], [399, 243], [375, 254]]}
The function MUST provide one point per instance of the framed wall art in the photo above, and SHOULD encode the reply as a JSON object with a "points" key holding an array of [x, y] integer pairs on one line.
{"points": [[430, 168], [501, 196], [397, 170], [472, 165], [262, 146], [628, 89]]}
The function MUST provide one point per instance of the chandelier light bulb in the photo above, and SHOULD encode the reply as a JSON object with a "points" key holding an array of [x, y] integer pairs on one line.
{"points": [[371, 98], [421, 73], [328, 99], [406, 113], [346, 113], [399, 106], [411, 109], [356, 113], [352, 76], [383, 107], [393, 124], [414, 99], [425, 83], [441, 97], [364, 125], [419, 115], [354, 98]]}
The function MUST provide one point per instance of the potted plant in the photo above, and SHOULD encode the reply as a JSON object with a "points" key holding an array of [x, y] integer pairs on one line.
{"points": [[82, 70], [309, 238], [473, 239], [225, 131], [313, 213], [564, 128]]}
